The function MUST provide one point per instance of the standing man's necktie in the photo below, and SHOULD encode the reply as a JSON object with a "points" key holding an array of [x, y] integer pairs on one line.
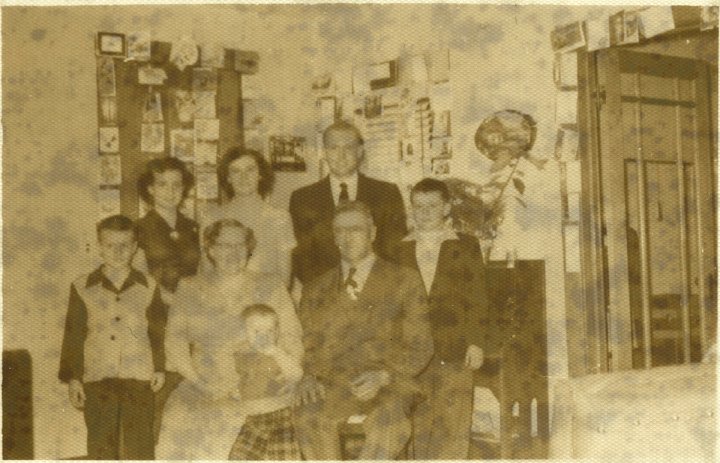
{"points": [[344, 195], [351, 285]]}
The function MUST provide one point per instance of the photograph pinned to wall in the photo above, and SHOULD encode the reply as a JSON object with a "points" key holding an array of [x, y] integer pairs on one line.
{"points": [[106, 76], [325, 108], [204, 80], [410, 151], [565, 70], [206, 183], [109, 139], [182, 142], [184, 105], [438, 65], [568, 37], [656, 20], [440, 167], [152, 138], [138, 45], [383, 75], [566, 107], [598, 33], [441, 124], [566, 144], [184, 53], [149, 75], [709, 17], [632, 27], [441, 148], [287, 153], [108, 110], [152, 108], [204, 105], [110, 44], [212, 55], [373, 106], [252, 118], [110, 173], [108, 202]]}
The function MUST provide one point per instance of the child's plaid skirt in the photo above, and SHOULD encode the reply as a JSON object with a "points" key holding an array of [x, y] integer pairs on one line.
{"points": [[269, 436]]}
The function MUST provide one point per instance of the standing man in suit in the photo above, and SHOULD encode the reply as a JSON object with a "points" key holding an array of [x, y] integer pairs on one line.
{"points": [[312, 207], [366, 336], [464, 330]]}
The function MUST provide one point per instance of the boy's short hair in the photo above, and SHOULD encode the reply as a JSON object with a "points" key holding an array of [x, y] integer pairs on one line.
{"points": [[430, 185], [116, 223], [259, 310]]}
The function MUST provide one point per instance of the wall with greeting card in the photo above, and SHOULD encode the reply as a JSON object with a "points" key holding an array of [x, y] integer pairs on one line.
{"points": [[156, 99]]}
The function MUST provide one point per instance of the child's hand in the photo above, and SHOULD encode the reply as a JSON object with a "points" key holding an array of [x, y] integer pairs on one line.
{"points": [[76, 391], [158, 381]]}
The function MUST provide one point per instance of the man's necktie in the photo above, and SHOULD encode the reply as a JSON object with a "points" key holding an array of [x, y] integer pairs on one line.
{"points": [[351, 285], [344, 195]]}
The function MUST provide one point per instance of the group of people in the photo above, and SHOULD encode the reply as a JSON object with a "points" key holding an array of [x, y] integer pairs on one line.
{"points": [[192, 347]]}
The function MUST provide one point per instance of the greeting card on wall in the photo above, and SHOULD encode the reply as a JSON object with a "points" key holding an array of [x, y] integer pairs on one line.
{"points": [[138, 45], [207, 133], [148, 75], [184, 105], [182, 142], [656, 20], [152, 109], [568, 37], [106, 76], [108, 110], [110, 174], [109, 139], [204, 105], [204, 80], [212, 55], [152, 138], [207, 183], [598, 33]]}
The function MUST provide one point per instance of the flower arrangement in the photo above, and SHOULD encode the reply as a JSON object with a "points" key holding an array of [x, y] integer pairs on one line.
{"points": [[505, 137]]}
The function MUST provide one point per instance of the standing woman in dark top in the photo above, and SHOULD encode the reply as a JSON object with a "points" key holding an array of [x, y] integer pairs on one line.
{"points": [[169, 241]]}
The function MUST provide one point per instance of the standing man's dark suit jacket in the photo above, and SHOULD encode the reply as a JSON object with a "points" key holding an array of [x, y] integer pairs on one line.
{"points": [[312, 208], [459, 310]]}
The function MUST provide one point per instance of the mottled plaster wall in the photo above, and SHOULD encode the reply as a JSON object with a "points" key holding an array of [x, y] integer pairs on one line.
{"points": [[500, 58]]}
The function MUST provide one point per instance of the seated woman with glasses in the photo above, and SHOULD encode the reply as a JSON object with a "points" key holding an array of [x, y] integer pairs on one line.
{"points": [[202, 416]]}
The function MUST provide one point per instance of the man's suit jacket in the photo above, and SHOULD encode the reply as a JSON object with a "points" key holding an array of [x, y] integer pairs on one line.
{"points": [[459, 310], [385, 327], [312, 208]]}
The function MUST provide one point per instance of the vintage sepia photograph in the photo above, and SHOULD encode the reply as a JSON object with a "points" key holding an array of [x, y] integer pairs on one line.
{"points": [[359, 231]]}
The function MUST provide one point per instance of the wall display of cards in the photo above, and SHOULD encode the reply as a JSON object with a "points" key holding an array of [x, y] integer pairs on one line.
{"points": [[159, 99], [287, 153]]}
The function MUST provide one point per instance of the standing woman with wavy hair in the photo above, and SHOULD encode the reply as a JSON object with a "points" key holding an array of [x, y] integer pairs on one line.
{"points": [[246, 180]]}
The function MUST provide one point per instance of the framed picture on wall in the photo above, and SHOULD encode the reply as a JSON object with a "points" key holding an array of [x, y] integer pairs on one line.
{"points": [[110, 44]]}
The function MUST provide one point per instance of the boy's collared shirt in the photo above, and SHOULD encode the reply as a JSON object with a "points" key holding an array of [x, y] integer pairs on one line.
{"points": [[111, 332], [427, 251]]}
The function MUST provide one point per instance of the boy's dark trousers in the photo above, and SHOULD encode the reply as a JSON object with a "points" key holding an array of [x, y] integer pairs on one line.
{"points": [[119, 412]]}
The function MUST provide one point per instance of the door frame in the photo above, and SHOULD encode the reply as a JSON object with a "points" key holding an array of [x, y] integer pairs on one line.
{"points": [[608, 345]]}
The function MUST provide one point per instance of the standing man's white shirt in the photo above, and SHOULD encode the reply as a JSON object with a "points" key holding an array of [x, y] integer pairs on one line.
{"points": [[427, 251], [352, 187]]}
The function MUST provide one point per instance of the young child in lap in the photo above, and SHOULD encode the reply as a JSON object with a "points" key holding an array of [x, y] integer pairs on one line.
{"points": [[267, 379]]}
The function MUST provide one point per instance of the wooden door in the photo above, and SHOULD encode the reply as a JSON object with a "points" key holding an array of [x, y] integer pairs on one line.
{"points": [[656, 176]]}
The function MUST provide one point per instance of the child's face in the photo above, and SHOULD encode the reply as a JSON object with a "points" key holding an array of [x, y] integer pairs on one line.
{"points": [[262, 331], [117, 248]]}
